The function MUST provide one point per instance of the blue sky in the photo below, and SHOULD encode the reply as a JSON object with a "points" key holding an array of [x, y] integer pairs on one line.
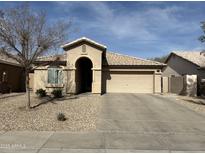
{"points": [[142, 29]]}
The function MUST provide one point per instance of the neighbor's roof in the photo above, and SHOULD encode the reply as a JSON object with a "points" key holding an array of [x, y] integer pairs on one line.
{"points": [[195, 57], [81, 40], [111, 59], [7, 60]]}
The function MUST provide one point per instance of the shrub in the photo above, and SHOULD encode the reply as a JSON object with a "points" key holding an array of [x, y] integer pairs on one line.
{"points": [[57, 93], [41, 93], [61, 117]]}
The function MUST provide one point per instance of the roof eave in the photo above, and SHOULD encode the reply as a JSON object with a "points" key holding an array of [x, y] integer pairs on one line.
{"points": [[138, 66], [49, 61], [9, 63], [81, 40]]}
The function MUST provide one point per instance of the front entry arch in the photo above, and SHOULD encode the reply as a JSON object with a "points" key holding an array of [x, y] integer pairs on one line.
{"points": [[83, 75]]}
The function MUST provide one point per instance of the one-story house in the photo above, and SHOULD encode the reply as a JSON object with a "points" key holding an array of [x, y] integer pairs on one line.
{"points": [[11, 75], [87, 66], [185, 63]]}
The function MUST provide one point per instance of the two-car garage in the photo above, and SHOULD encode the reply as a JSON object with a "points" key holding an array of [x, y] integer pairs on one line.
{"points": [[128, 81]]}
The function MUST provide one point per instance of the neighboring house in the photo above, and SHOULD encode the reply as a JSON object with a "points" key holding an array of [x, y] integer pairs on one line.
{"points": [[185, 63], [87, 66], [11, 75]]}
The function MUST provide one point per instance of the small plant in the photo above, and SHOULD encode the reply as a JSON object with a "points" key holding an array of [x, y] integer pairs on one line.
{"points": [[41, 93], [61, 117], [57, 93]]}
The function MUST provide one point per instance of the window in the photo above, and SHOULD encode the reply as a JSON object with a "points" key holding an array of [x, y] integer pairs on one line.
{"points": [[55, 75]]}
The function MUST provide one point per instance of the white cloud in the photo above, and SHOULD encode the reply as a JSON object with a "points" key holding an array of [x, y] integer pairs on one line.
{"points": [[152, 23], [146, 24]]}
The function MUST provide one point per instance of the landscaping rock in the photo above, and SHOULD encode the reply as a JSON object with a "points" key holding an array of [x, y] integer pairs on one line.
{"points": [[81, 113]]}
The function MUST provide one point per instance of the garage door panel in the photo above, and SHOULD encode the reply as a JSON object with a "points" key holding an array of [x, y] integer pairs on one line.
{"points": [[129, 82]]}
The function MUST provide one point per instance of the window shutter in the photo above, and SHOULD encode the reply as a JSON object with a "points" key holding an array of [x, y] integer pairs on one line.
{"points": [[60, 77], [55, 76], [49, 75]]}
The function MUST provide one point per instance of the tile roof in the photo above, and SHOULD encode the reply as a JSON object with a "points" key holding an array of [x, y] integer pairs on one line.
{"points": [[7, 60], [195, 57], [119, 59], [111, 59]]}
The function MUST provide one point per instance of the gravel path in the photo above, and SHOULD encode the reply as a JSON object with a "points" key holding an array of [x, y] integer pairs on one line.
{"points": [[80, 111]]}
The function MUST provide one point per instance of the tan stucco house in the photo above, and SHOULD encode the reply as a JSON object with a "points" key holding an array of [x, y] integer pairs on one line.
{"points": [[87, 66]]}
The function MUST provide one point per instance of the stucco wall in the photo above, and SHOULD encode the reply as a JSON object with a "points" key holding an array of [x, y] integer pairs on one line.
{"points": [[130, 80], [165, 84], [40, 79], [157, 82], [178, 66], [15, 77], [95, 55]]}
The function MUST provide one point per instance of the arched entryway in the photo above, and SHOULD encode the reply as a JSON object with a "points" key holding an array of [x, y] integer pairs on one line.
{"points": [[84, 75]]}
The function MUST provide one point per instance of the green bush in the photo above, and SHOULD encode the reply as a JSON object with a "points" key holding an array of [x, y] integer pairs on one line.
{"points": [[41, 93], [57, 93], [61, 117]]}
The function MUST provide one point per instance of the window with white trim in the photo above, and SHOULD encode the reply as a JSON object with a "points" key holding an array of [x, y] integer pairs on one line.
{"points": [[55, 75]]}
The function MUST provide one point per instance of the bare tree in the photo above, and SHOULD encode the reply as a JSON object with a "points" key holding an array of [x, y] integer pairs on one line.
{"points": [[25, 35]]}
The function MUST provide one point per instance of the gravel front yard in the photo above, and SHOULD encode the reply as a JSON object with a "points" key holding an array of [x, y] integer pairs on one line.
{"points": [[196, 104], [80, 111]]}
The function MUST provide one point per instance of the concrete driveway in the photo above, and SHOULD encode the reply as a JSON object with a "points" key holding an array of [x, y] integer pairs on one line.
{"points": [[127, 123], [150, 122]]}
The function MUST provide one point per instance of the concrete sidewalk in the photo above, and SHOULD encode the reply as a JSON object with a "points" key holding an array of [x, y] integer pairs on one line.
{"points": [[97, 142]]}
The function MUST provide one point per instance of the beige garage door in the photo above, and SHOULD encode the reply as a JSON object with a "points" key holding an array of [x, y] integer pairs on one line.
{"points": [[129, 82]]}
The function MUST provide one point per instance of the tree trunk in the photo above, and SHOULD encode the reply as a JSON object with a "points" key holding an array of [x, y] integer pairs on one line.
{"points": [[28, 105]]}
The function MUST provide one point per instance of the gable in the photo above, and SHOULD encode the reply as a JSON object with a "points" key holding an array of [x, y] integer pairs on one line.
{"points": [[83, 41], [193, 57], [177, 65]]}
